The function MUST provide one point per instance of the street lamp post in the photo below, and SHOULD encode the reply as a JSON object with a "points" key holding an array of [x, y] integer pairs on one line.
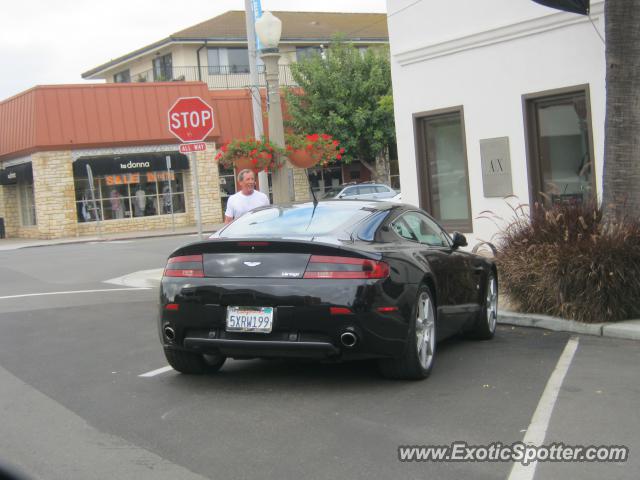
{"points": [[269, 29]]}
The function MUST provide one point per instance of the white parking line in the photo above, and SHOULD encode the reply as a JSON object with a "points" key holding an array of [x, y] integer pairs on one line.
{"points": [[155, 372], [72, 292], [540, 421]]}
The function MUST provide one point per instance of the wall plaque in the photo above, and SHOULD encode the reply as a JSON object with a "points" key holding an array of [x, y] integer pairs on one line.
{"points": [[496, 167]]}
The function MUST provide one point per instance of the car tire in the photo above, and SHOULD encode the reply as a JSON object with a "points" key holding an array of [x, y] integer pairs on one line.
{"points": [[485, 326], [417, 361], [193, 363]]}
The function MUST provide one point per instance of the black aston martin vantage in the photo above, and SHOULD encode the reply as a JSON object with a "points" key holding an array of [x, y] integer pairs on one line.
{"points": [[336, 280]]}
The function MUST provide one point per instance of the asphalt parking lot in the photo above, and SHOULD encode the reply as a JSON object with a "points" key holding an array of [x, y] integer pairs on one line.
{"points": [[74, 403]]}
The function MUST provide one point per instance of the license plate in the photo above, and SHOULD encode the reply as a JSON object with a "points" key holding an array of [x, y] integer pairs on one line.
{"points": [[250, 319]]}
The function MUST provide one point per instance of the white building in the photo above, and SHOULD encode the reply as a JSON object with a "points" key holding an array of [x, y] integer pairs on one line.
{"points": [[492, 98]]}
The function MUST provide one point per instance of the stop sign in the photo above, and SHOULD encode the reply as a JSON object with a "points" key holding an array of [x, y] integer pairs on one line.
{"points": [[190, 119]]}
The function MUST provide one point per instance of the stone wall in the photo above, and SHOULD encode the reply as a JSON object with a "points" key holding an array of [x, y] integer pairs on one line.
{"points": [[11, 214], [301, 185], [54, 194], [209, 183], [10, 210], [125, 225]]}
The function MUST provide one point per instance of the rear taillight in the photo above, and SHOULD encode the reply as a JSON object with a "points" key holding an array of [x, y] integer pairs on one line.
{"points": [[345, 268], [185, 266]]}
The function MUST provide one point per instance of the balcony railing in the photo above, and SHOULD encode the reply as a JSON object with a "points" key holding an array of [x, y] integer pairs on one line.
{"points": [[214, 77]]}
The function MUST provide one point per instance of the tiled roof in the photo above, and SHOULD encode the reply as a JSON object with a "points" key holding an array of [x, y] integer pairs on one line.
{"points": [[296, 27]]}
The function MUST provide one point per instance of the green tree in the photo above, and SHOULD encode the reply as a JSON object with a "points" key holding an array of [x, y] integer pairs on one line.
{"points": [[621, 182], [348, 95]]}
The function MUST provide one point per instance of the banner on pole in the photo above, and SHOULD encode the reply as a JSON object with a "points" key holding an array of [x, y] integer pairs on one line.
{"points": [[257, 13]]}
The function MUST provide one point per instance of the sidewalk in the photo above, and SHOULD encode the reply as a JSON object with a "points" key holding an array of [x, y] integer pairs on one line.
{"points": [[17, 243]]}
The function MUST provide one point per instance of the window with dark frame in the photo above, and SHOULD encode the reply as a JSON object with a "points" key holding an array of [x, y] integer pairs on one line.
{"points": [[560, 152], [130, 195], [213, 60], [27, 203], [122, 77], [303, 53], [442, 162], [238, 60], [163, 68]]}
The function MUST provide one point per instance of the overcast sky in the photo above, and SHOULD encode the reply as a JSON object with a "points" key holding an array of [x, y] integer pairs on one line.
{"points": [[53, 41]]}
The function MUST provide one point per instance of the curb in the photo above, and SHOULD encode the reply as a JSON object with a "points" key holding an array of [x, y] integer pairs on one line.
{"points": [[628, 329], [74, 241]]}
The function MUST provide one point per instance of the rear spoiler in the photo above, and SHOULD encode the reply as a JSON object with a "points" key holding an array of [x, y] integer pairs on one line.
{"points": [[249, 245]]}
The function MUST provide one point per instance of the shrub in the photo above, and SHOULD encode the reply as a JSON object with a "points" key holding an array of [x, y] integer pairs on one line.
{"points": [[565, 261]]}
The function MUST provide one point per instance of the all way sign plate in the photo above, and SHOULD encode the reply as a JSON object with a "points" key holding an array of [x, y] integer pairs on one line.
{"points": [[192, 147]]}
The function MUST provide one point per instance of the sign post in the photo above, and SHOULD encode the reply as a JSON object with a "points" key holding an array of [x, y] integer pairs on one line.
{"points": [[191, 120], [96, 212], [173, 220], [253, 11]]}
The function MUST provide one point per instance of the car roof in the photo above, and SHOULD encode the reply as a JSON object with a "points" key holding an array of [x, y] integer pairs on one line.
{"points": [[356, 184]]}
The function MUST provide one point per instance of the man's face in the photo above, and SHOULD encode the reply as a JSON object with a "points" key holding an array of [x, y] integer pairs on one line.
{"points": [[248, 183]]}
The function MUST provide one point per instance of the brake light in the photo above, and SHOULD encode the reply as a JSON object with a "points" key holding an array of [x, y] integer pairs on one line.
{"points": [[387, 309], [185, 266], [340, 311], [321, 266]]}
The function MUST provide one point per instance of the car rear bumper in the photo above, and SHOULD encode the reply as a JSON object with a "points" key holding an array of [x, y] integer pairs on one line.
{"points": [[303, 325], [262, 348]]}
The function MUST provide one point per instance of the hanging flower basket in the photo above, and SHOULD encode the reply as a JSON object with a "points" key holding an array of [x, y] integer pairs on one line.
{"points": [[302, 158], [254, 154], [305, 151]]}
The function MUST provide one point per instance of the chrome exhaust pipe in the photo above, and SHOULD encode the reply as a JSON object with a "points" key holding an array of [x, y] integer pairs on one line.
{"points": [[169, 333], [349, 339]]}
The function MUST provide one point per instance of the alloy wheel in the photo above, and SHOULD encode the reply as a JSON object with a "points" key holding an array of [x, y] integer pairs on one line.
{"points": [[492, 304], [425, 330]]}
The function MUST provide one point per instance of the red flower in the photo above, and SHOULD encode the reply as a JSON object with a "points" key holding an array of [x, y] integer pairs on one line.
{"points": [[289, 148], [325, 136], [313, 138], [336, 143], [309, 146], [338, 157], [254, 161], [269, 156], [342, 150]]}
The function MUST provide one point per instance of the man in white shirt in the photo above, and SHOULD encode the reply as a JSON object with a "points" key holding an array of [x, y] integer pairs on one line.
{"points": [[246, 199]]}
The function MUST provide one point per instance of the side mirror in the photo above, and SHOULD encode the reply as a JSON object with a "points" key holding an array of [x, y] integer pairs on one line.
{"points": [[459, 240]]}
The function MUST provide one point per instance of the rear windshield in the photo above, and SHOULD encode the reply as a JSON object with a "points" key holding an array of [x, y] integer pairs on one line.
{"points": [[297, 220]]}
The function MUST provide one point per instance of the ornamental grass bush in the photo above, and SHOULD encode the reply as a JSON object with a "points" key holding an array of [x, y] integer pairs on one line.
{"points": [[566, 261]]}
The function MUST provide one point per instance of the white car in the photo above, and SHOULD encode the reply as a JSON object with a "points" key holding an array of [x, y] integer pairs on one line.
{"points": [[361, 191]]}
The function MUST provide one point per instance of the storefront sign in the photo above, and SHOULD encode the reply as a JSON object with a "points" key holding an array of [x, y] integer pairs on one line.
{"points": [[11, 175], [123, 164], [134, 178], [496, 167]]}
